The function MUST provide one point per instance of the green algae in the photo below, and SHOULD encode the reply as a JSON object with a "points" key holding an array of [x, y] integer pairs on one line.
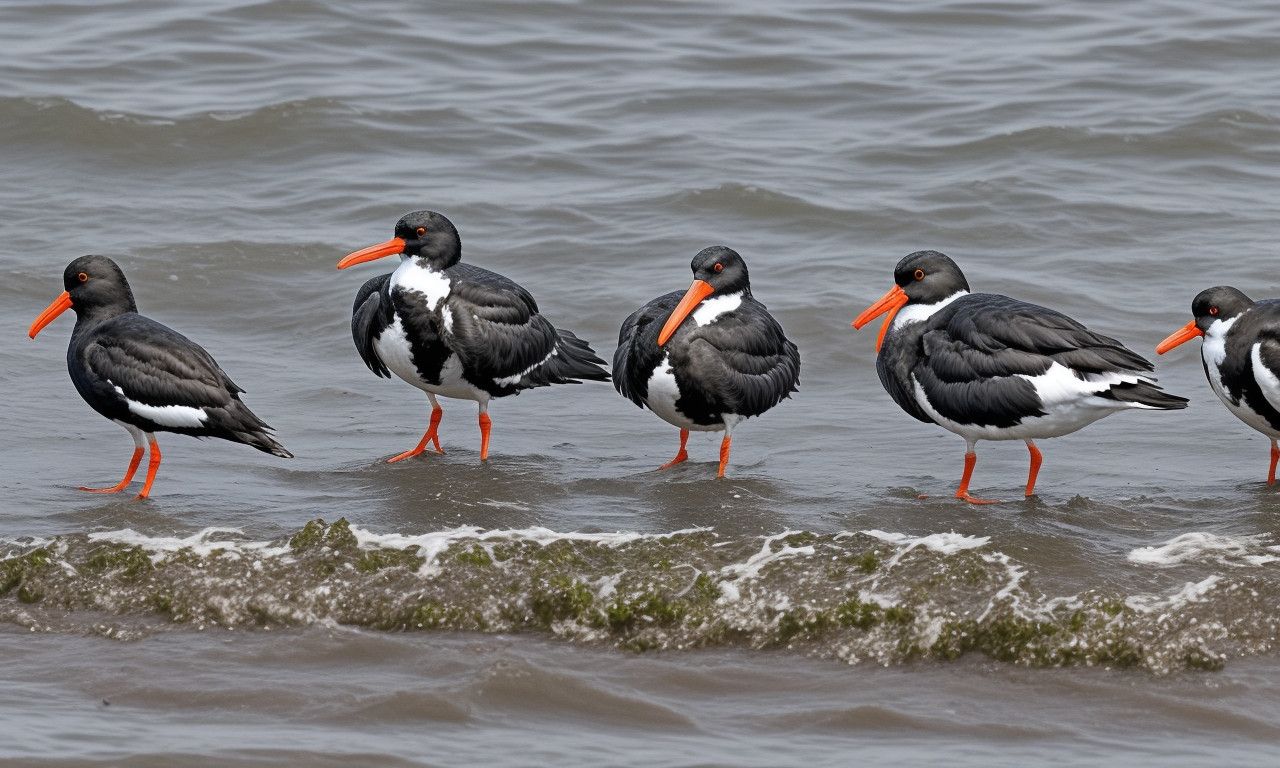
{"points": [[319, 534], [377, 559], [855, 613], [648, 609], [563, 598], [476, 555], [827, 595], [805, 623], [801, 539], [131, 562], [1041, 643], [14, 570]]}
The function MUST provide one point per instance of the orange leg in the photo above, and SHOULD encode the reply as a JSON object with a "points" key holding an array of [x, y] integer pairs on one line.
{"points": [[683, 454], [1035, 467], [970, 461], [724, 454], [1275, 456], [485, 424], [128, 475], [436, 414], [152, 465]]}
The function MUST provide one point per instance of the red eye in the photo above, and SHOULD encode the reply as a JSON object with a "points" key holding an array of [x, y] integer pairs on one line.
{"points": [[1213, 310], [422, 231], [718, 267], [919, 275], [82, 277]]}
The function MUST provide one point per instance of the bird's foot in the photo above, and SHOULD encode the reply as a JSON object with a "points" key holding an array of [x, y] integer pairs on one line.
{"points": [[112, 489], [683, 455], [406, 455], [965, 495]]}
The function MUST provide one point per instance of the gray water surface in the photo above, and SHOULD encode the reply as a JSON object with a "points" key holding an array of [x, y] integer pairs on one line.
{"points": [[1108, 160]]}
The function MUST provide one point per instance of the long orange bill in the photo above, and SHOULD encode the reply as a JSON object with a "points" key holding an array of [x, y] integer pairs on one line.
{"points": [[59, 305], [1181, 336], [891, 302], [692, 298], [392, 247]]}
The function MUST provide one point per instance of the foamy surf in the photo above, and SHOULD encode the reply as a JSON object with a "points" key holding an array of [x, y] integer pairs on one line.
{"points": [[857, 596]]}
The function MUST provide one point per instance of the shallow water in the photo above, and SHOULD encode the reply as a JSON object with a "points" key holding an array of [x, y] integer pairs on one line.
{"points": [[1109, 161]]}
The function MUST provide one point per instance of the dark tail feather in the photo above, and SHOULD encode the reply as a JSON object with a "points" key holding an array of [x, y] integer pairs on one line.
{"points": [[242, 425], [576, 360], [1146, 393], [266, 443]]}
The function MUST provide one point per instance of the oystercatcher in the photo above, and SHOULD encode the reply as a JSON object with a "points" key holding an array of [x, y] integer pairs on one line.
{"points": [[142, 375], [731, 362], [989, 367], [1241, 355], [455, 330]]}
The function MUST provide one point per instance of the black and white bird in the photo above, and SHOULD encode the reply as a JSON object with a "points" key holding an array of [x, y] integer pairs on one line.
{"points": [[1241, 355], [707, 358], [455, 330], [989, 367], [142, 375]]}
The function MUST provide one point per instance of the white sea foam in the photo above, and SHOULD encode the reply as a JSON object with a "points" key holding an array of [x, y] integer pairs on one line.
{"points": [[1191, 592], [1205, 547], [942, 543], [202, 543], [431, 545], [746, 571]]}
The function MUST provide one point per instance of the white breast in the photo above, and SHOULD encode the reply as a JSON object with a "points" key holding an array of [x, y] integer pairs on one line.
{"points": [[918, 313], [663, 394], [711, 309], [1214, 350], [430, 285], [393, 348]]}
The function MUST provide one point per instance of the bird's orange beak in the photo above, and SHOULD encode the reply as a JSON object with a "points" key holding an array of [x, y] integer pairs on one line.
{"points": [[700, 290], [1181, 336], [59, 305], [392, 247], [891, 302]]}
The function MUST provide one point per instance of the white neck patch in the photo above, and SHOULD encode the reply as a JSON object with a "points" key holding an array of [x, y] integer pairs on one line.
{"points": [[918, 313], [432, 285], [1214, 350], [1214, 347], [711, 309]]}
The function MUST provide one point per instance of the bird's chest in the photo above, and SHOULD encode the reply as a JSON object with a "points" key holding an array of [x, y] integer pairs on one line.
{"points": [[416, 353], [413, 346], [679, 405], [1241, 383]]}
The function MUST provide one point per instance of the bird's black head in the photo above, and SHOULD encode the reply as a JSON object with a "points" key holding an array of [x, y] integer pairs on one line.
{"points": [[426, 236], [928, 277], [95, 287], [716, 271], [1220, 303], [721, 268], [431, 238]]}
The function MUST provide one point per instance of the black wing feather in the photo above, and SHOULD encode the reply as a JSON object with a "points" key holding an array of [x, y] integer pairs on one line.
{"points": [[155, 365], [1037, 336], [742, 364], [372, 313], [638, 352], [497, 334]]}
